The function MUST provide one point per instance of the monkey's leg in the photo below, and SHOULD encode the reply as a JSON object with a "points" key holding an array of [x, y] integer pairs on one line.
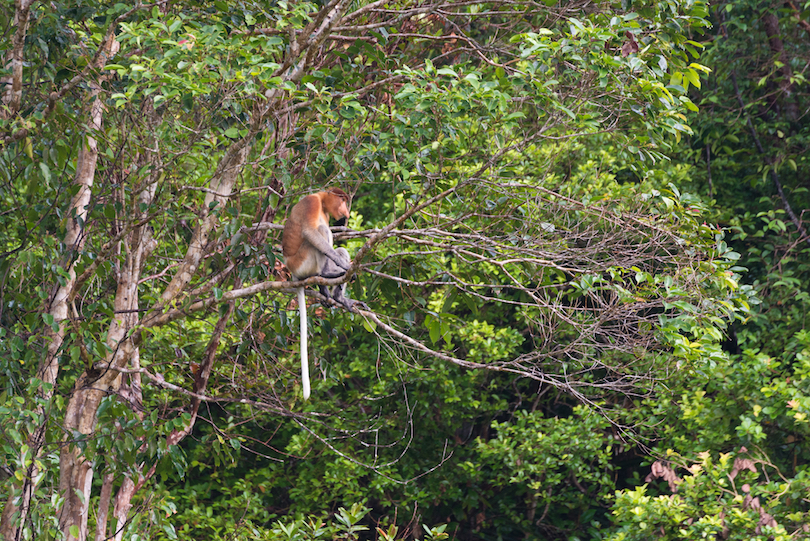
{"points": [[338, 293], [330, 269]]}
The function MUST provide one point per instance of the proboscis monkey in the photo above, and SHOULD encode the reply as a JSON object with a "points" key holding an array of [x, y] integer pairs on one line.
{"points": [[307, 246]]}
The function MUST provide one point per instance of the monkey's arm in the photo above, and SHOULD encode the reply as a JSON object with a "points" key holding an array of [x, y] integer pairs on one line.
{"points": [[321, 243]]}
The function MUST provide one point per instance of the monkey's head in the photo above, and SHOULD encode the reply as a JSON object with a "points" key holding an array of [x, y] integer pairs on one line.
{"points": [[337, 203]]}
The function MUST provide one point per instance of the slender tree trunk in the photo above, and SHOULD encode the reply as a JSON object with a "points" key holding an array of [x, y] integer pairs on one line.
{"points": [[123, 503], [76, 475], [220, 189], [75, 472], [128, 488], [141, 240], [58, 309], [104, 507], [12, 97], [123, 499]]}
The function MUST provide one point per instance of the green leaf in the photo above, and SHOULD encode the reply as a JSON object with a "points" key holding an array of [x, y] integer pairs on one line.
{"points": [[46, 172], [434, 328], [369, 325], [692, 77]]}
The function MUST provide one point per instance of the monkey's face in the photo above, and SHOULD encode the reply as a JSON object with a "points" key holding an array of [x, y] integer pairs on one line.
{"points": [[338, 209], [343, 210]]}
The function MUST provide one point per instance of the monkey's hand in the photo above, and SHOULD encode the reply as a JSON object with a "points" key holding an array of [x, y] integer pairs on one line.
{"points": [[336, 264], [340, 259]]}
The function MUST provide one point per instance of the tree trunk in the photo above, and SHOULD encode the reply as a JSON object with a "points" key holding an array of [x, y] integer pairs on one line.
{"points": [[75, 473], [58, 309], [104, 507], [13, 94]]}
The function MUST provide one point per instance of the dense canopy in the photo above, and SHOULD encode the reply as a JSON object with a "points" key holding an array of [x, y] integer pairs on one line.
{"points": [[577, 228]]}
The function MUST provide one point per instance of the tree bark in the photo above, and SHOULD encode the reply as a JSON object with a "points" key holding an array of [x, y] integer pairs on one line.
{"points": [[123, 503], [75, 472], [58, 309], [12, 97], [219, 191], [104, 507]]}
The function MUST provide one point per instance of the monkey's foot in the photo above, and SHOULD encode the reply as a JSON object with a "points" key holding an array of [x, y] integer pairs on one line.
{"points": [[351, 304]]}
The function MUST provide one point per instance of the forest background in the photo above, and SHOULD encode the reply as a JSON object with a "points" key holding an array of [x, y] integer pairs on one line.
{"points": [[579, 228]]}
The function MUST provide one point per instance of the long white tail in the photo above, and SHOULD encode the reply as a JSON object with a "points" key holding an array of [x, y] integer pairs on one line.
{"points": [[302, 314]]}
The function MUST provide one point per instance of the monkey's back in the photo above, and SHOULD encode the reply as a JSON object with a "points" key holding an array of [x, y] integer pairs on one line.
{"points": [[299, 255]]}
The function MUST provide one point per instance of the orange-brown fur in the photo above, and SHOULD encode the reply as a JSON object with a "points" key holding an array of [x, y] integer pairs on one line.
{"points": [[311, 212], [306, 241]]}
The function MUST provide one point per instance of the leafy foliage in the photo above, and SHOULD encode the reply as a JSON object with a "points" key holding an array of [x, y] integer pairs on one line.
{"points": [[573, 273]]}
